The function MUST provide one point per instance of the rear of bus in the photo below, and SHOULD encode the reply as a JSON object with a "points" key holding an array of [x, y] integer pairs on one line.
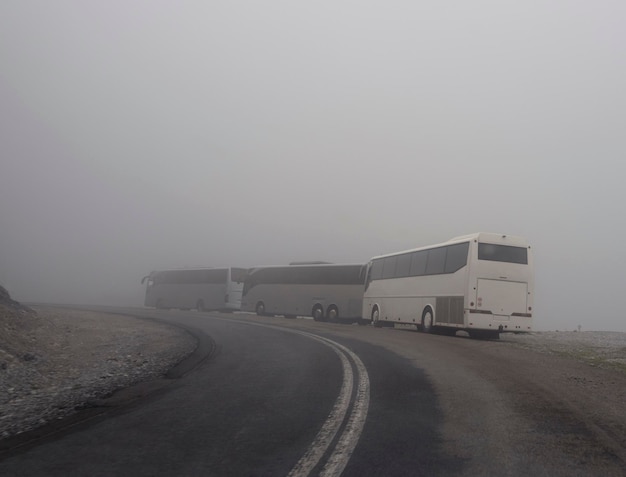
{"points": [[150, 299], [234, 288], [501, 284]]}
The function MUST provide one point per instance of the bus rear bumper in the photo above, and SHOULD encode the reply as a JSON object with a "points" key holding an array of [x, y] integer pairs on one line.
{"points": [[502, 323]]}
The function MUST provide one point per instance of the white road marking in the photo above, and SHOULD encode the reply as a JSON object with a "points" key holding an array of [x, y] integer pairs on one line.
{"points": [[349, 438], [333, 422], [351, 433]]}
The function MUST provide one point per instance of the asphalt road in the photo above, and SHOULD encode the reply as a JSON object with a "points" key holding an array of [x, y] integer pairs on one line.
{"points": [[272, 396]]}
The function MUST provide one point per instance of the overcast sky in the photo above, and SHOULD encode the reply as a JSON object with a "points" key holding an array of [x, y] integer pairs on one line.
{"points": [[153, 134]]}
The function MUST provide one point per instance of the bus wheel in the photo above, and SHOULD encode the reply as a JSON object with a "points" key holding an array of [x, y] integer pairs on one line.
{"points": [[376, 318], [427, 321], [260, 308], [332, 314], [200, 306], [318, 313]]}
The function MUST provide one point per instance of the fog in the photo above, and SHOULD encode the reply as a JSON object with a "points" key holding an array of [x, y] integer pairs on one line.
{"points": [[143, 135]]}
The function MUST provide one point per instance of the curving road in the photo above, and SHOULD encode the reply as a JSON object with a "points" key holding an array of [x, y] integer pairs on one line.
{"points": [[270, 396]]}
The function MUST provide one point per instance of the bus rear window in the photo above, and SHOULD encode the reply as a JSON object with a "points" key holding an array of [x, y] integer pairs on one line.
{"points": [[502, 253]]}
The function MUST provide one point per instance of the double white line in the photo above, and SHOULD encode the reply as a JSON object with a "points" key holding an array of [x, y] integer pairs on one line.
{"points": [[352, 421], [344, 424]]}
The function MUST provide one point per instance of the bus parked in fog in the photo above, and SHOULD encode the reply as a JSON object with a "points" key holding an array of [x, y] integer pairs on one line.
{"points": [[325, 292], [202, 289], [482, 283]]}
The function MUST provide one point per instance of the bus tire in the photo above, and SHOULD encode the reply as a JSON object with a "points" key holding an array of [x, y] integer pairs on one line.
{"points": [[376, 318], [317, 313], [427, 321], [260, 308], [200, 306], [332, 314]]}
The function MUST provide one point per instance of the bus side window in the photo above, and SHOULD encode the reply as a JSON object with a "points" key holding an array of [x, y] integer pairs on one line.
{"points": [[436, 261], [403, 265], [418, 263], [389, 267], [456, 257]]}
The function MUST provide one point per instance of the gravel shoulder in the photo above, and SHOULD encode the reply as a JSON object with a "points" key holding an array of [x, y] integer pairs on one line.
{"points": [[54, 361], [602, 349]]}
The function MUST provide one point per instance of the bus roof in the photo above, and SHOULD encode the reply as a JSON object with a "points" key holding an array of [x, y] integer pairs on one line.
{"points": [[486, 237], [515, 240], [193, 268], [294, 265]]}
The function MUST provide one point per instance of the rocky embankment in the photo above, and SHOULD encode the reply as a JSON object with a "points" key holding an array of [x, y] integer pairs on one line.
{"points": [[55, 361]]}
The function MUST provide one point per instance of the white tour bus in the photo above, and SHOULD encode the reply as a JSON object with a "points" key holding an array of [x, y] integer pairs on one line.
{"points": [[325, 292], [481, 283], [200, 288]]}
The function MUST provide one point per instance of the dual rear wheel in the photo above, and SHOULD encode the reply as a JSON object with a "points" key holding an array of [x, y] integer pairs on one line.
{"points": [[318, 313], [332, 313]]}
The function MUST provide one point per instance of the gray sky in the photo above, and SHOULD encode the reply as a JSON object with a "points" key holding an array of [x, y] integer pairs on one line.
{"points": [[144, 135]]}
